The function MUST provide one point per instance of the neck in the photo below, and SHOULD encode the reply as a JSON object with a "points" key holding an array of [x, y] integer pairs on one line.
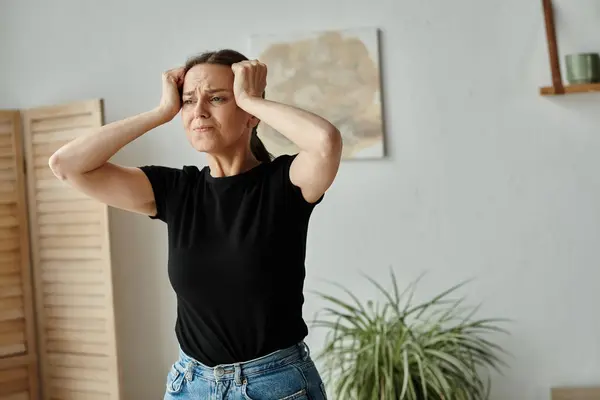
{"points": [[234, 163]]}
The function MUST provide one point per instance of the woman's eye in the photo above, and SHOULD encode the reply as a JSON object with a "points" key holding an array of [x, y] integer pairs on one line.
{"points": [[217, 99]]}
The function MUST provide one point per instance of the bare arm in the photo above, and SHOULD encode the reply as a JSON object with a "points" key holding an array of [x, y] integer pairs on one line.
{"points": [[83, 162], [320, 142]]}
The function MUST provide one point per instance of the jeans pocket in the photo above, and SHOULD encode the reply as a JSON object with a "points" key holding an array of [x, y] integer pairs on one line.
{"points": [[175, 380], [301, 395], [260, 393]]}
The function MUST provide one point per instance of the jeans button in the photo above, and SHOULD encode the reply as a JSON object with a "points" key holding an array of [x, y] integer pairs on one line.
{"points": [[219, 372]]}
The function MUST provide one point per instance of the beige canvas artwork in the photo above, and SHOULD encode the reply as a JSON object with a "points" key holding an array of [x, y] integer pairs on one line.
{"points": [[334, 74]]}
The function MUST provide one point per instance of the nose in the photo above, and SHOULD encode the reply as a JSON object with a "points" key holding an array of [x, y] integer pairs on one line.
{"points": [[200, 109]]}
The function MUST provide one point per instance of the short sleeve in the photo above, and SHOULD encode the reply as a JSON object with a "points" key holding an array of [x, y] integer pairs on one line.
{"points": [[165, 182], [293, 192]]}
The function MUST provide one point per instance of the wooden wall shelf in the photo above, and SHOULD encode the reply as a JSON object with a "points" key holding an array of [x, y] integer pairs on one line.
{"points": [[558, 88], [570, 89]]}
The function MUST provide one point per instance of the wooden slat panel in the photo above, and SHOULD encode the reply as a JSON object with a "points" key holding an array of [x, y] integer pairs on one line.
{"points": [[50, 183], [9, 221], [7, 198], [8, 315], [80, 385], [17, 396], [60, 194], [67, 242], [66, 394], [82, 300], [7, 164], [61, 110], [12, 257], [83, 372], [10, 244], [13, 349], [82, 336], [6, 129], [68, 230], [72, 265], [12, 332], [70, 218], [10, 280], [8, 174], [71, 259], [10, 291], [18, 353], [79, 361], [10, 234], [9, 268], [576, 393], [8, 209], [62, 206], [15, 325], [66, 127], [76, 277], [15, 380], [16, 362], [72, 347], [47, 149], [82, 253], [66, 288], [74, 312], [81, 324]]}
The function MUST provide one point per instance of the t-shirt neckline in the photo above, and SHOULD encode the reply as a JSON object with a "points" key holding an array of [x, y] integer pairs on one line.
{"points": [[228, 180]]}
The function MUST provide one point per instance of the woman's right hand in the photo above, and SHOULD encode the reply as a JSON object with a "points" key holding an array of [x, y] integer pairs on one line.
{"points": [[170, 103]]}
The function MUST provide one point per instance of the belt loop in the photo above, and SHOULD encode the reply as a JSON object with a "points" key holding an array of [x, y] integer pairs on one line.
{"points": [[189, 371], [238, 374], [305, 351]]}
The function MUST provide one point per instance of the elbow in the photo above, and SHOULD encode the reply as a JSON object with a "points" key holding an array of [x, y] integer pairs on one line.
{"points": [[330, 143], [55, 167]]}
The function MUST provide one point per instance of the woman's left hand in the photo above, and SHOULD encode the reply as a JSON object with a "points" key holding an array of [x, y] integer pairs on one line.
{"points": [[250, 80]]}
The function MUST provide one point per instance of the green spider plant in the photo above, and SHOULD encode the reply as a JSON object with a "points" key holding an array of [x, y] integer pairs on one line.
{"points": [[399, 350]]}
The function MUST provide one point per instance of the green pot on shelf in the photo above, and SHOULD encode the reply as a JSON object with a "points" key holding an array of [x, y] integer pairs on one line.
{"points": [[583, 68]]}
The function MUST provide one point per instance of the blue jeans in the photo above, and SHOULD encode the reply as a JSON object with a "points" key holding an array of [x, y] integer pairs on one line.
{"points": [[287, 374]]}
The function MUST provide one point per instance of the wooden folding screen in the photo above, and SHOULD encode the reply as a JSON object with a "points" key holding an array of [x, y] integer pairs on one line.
{"points": [[18, 353], [70, 263]]}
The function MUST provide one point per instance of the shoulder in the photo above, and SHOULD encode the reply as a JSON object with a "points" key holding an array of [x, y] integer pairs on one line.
{"points": [[282, 162], [166, 179], [279, 174], [170, 173], [278, 169], [168, 184]]}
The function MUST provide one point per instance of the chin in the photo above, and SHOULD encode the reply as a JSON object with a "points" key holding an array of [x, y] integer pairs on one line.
{"points": [[202, 143], [203, 147]]}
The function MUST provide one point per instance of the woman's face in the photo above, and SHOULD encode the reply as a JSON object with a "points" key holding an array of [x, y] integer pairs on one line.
{"points": [[212, 120]]}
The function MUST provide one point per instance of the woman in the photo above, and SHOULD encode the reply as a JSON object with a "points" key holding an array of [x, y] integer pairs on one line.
{"points": [[236, 228]]}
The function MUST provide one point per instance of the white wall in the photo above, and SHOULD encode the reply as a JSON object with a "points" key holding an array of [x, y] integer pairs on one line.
{"points": [[485, 179]]}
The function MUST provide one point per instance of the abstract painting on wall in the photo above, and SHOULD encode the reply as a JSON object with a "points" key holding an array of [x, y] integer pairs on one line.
{"points": [[334, 74]]}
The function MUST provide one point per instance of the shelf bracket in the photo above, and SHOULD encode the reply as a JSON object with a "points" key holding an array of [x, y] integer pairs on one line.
{"points": [[557, 83]]}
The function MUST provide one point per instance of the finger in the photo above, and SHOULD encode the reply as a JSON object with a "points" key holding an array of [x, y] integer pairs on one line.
{"points": [[261, 75]]}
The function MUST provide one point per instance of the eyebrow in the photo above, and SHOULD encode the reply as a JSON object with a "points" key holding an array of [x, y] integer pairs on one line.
{"points": [[210, 91]]}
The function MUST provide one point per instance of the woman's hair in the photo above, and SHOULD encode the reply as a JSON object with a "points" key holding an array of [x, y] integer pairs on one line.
{"points": [[229, 57]]}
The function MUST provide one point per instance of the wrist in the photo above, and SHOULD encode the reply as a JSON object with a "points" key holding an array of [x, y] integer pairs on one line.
{"points": [[162, 115], [246, 101]]}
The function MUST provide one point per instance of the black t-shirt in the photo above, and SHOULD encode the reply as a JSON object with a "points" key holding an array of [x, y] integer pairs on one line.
{"points": [[236, 258]]}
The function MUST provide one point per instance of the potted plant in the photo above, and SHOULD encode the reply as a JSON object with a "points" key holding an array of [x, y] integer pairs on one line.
{"points": [[396, 349]]}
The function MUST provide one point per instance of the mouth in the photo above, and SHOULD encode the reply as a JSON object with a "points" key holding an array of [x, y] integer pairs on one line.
{"points": [[203, 128]]}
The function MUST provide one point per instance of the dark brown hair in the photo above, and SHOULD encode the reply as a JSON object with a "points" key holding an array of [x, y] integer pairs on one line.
{"points": [[229, 57]]}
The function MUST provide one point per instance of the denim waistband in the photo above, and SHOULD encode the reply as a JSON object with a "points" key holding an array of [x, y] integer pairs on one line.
{"points": [[242, 370]]}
